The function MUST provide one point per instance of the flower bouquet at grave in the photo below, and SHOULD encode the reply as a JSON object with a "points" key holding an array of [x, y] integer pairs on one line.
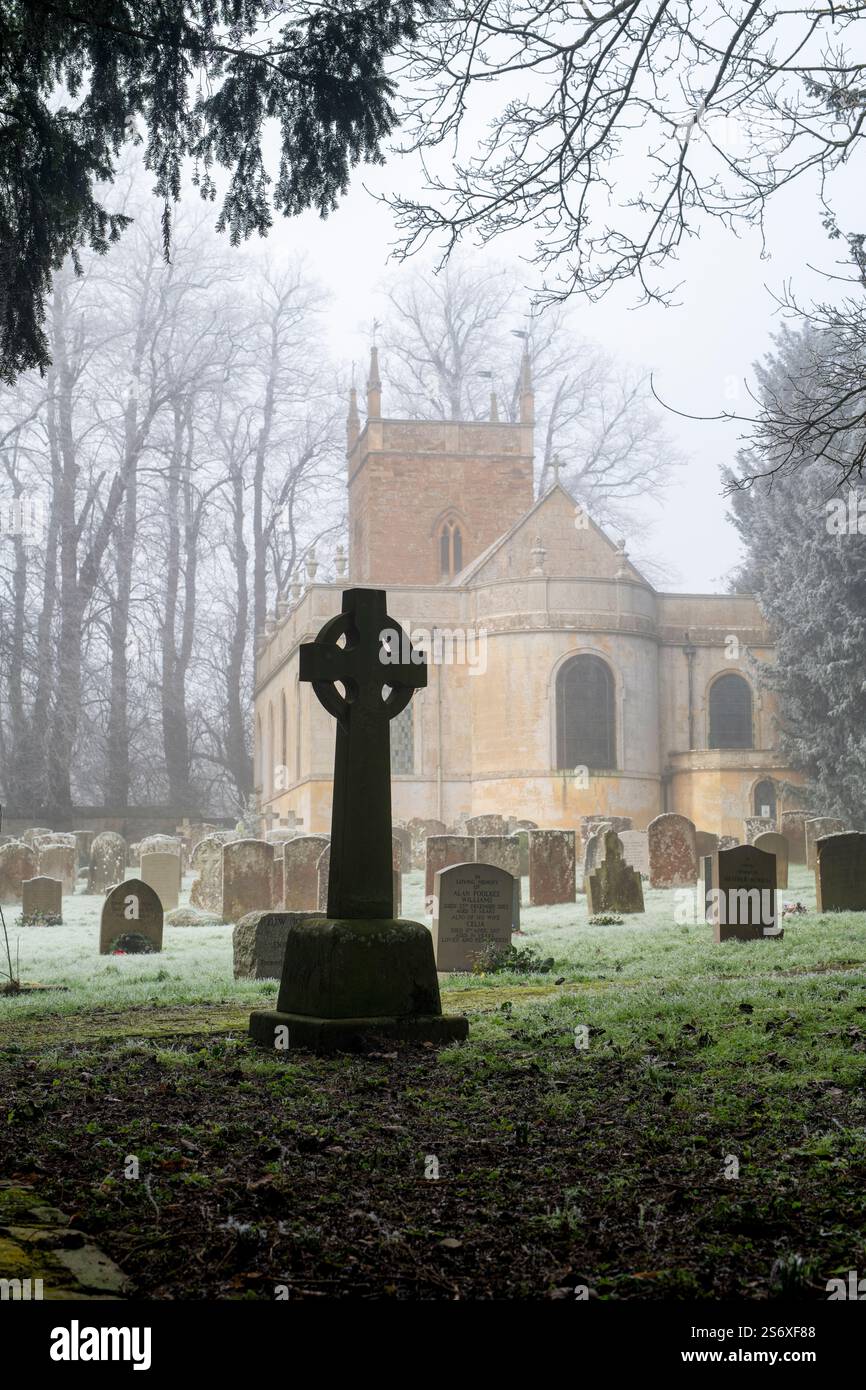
{"points": [[605, 919], [131, 944], [793, 909], [40, 919], [495, 958]]}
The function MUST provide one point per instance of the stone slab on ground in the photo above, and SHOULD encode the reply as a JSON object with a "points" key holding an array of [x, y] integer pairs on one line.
{"points": [[38, 1244]]}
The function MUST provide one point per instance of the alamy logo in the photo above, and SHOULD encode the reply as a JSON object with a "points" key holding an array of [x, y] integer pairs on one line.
{"points": [[23, 1289], [442, 646], [850, 1287], [22, 517], [77, 1343]]}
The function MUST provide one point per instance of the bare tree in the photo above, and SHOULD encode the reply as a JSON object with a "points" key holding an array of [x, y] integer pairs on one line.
{"points": [[619, 129]]}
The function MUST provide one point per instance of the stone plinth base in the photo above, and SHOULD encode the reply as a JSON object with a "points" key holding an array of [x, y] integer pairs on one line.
{"points": [[346, 982], [283, 1032]]}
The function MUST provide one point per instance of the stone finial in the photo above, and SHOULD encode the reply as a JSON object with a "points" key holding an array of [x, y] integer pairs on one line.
{"points": [[282, 606], [374, 387], [623, 566], [340, 563], [539, 555], [312, 567], [296, 587]]}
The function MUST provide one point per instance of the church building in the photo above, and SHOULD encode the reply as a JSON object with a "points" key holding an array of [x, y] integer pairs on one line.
{"points": [[561, 683]]}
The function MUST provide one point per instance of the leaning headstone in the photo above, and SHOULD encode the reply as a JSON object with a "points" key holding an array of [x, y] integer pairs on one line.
{"points": [[503, 852], [107, 861], [753, 826], [472, 910], [17, 863], [705, 844], [132, 919], [793, 826], [259, 944], [247, 878], [772, 842], [816, 829], [486, 825], [58, 861], [840, 874], [300, 876], [442, 851], [420, 829], [613, 886], [206, 860], [743, 899], [635, 850], [551, 867], [41, 902], [162, 872], [360, 974], [673, 856]]}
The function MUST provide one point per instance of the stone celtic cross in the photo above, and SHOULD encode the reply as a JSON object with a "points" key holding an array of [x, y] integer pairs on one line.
{"points": [[359, 649]]}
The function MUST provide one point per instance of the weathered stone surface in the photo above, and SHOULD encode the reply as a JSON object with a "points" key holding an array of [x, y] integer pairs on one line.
{"points": [[502, 852], [247, 878], [705, 844], [160, 844], [635, 850], [522, 837], [793, 826], [442, 851], [551, 867], [673, 856], [300, 874], [472, 910], [107, 861], [593, 850], [772, 842], [42, 901], [743, 896], [486, 825], [815, 830], [323, 870], [728, 842], [420, 829], [58, 861], [32, 835], [131, 909], [259, 944], [753, 826], [51, 1259], [614, 886], [17, 863], [192, 917], [161, 870], [207, 862], [840, 873]]}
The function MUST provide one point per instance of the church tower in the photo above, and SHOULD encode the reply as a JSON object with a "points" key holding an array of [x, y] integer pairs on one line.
{"points": [[428, 496]]}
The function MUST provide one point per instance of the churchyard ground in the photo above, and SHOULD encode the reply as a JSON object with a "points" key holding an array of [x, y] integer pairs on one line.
{"points": [[707, 1141]]}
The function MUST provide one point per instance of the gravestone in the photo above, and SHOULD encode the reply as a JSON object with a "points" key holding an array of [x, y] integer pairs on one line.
{"points": [[17, 863], [42, 902], [131, 910], [502, 852], [161, 871], [300, 875], [420, 829], [672, 852], [58, 861], [486, 825], [323, 873], [522, 838], [442, 851], [247, 878], [32, 835], [160, 844], [206, 861], [772, 842], [728, 842], [259, 944], [594, 851], [743, 896], [516, 825], [472, 909], [753, 826], [613, 886], [551, 867], [107, 861], [793, 826], [635, 850], [815, 830], [405, 839], [705, 844], [360, 974], [840, 874]]}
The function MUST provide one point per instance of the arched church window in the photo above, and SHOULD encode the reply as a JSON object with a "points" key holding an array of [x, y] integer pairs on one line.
{"points": [[268, 781], [450, 549], [730, 712], [403, 740], [585, 714], [284, 733], [765, 799]]}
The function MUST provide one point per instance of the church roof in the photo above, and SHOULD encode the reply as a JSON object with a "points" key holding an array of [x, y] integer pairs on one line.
{"points": [[596, 555]]}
